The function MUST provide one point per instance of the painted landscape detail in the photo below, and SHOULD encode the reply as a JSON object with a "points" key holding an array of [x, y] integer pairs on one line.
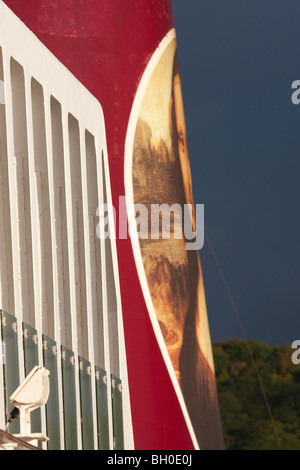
{"points": [[161, 175]]}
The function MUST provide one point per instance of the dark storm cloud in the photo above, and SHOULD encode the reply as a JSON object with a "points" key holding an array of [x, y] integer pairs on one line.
{"points": [[238, 61]]}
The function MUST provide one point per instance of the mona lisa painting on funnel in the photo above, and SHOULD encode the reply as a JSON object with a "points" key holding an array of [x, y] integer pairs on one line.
{"points": [[157, 171]]}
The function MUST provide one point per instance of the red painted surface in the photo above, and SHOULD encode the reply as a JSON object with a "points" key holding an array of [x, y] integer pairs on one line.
{"points": [[107, 44]]}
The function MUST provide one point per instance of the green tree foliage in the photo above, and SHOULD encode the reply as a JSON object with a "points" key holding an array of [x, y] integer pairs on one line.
{"points": [[245, 418]]}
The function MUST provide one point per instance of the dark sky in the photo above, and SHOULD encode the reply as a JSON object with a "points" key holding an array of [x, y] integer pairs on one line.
{"points": [[238, 60]]}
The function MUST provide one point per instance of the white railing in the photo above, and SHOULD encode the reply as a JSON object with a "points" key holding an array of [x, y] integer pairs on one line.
{"points": [[56, 275]]}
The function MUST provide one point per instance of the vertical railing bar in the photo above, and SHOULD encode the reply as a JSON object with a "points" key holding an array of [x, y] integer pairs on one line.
{"points": [[70, 225], [13, 191], [87, 249], [56, 312], [2, 358], [101, 183], [35, 239]]}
